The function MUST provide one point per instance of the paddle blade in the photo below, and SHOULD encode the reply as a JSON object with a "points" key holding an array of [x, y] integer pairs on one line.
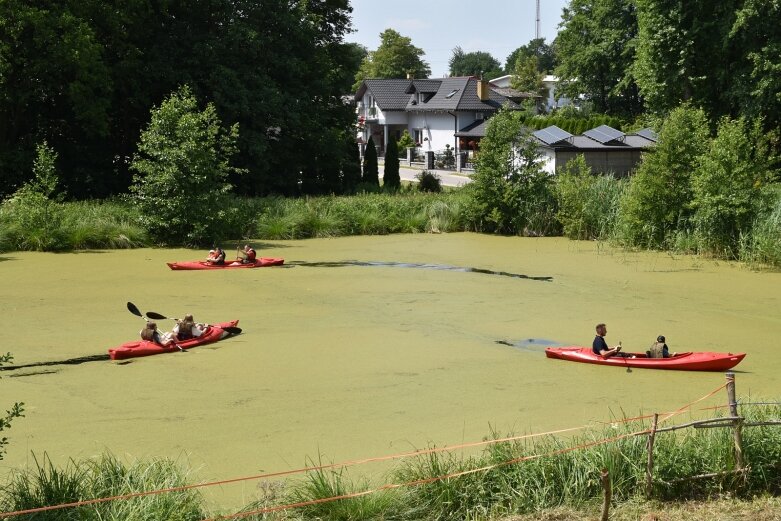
{"points": [[155, 316], [133, 309], [232, 330]]}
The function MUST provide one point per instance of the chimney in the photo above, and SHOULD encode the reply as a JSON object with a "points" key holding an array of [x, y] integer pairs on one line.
{"points": [[482, 90]]}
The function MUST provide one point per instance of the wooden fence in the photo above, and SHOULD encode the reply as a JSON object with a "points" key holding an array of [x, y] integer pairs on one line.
{"points": [[734, 421]]}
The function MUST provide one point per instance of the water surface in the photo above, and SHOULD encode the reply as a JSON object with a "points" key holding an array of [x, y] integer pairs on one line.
{"points": [[349, 355]]}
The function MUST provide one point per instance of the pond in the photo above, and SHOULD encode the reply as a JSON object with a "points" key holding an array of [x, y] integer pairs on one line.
{"points": [[363, 347]]}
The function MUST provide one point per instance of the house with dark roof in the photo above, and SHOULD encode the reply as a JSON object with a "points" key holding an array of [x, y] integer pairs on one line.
{"points": [[436, 112], [605, 149]]}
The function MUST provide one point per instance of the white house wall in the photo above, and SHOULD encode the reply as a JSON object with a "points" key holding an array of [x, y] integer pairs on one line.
{"points": [[437, 127]]}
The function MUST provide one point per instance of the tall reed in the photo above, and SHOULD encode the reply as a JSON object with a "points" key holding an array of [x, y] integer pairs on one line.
{"points": [[105, 476]]}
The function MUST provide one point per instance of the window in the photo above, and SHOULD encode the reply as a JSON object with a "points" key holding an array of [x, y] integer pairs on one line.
{"points": [[418, 136], [452, 93]]}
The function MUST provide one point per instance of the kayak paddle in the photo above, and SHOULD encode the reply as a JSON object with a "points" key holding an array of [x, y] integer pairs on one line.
{"points": [[134, 309]]}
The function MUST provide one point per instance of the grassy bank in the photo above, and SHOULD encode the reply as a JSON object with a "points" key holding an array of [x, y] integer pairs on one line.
{"points": [[535, 477], [586, 207]]}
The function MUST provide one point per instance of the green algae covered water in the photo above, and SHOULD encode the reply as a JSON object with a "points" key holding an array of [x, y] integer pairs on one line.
{"points": [[362, 347]]}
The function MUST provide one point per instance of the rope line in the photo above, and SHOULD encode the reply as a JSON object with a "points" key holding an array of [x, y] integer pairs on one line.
{"points": [[359, 462], [344, 464], [424, 481], [603, 441]]}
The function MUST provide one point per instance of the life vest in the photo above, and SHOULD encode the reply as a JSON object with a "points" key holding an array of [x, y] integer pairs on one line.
{"points": [[148, 334], [184, 330], [657, 350], [220, 258]]}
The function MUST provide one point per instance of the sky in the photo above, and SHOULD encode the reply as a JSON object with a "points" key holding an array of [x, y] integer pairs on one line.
{"points": [[497, 27]]}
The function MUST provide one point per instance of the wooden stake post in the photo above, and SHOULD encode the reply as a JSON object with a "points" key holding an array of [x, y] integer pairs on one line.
{"points": [[737, 423], [649, 469]]}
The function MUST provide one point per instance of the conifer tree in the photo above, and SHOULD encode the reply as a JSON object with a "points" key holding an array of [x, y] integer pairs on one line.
{"points": [[351, 167], [392, 179], [371, 173]]}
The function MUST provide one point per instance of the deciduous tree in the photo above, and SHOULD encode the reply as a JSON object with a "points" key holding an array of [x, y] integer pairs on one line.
{"points": [[182, 170], [596, 51], [683, 53], [394, 58], [658, 200], [479, 64], [546, 58]]}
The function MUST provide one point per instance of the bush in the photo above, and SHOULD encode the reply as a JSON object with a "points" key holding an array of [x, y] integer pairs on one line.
{"points": [[428, 182], [182, 169], [726, 186], [15, 412], [658, 200], [511, 193], [763, 245]]}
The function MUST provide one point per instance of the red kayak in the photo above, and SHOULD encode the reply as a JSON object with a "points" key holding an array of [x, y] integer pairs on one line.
{"points": [[692, 361], [203, 265], [145, 348]]}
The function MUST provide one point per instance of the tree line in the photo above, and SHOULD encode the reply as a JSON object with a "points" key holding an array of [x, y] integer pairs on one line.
{"points": [[83, 75]]}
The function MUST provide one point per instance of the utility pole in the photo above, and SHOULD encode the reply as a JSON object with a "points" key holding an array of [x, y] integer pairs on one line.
{"points": [[537, 28]]}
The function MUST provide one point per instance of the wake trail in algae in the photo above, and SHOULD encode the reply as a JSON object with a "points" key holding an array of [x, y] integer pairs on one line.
{"points": [[439, 267]]}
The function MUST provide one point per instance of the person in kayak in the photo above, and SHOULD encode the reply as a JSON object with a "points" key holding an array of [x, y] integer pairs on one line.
{"points": [[659, 349], [151, 334], [248, 255], [187, 329], [600, 347], [216, 256]]}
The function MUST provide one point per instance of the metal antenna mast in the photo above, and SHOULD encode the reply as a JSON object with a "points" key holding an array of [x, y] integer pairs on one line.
{"points": [[537, 27]]}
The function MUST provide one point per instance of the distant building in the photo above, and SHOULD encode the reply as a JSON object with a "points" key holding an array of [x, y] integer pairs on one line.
{"points": [[436, 112], [550, 83], [605, 149]]}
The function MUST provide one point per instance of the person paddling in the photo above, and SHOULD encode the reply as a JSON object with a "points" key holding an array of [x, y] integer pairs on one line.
{"points": [[248, 255], [600, 347], [150, 333], [187, 329]]}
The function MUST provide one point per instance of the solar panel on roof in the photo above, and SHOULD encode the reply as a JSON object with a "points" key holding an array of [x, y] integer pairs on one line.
{"points": [[647, 133], [552, 134], [604, 134]]}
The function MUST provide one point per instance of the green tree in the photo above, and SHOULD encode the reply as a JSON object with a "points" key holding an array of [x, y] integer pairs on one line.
{"points": [[371, 172], [15, 412], [351, 166], [546, 58], [394, 58], [659, 196], [683, 53], [182, 169], [596, 51], [726, 185], [756, 87], [54, 85], [405, 142], [511, 193], [391, 178], [479, 64], [526, 77], [84, 74]]}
